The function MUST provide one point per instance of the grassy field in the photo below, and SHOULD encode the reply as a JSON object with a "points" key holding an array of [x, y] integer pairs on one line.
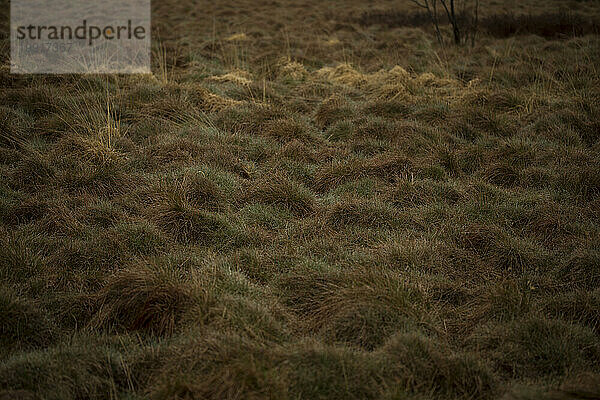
{"points": [[308, 200]]}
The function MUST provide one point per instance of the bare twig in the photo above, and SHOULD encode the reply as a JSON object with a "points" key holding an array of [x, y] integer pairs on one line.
{"points": [[463, 18]]}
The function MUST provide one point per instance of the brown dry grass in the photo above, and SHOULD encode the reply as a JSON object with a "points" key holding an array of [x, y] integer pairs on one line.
{"points": [[308, 201]]}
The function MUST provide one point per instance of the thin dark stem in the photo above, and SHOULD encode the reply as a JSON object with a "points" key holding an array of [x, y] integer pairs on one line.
{"points": [[436, 23], [475, 23]]}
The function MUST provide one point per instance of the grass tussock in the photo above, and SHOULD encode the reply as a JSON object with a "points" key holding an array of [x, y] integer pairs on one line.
{"points": [[362, 213], [280, 190], [148, 300], [534, 347], [25, 324], [384, 166], [187, 208], [425, 365]]}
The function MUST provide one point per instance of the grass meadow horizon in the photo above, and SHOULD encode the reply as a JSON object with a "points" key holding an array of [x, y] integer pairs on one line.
{"points": [[308, 200]]}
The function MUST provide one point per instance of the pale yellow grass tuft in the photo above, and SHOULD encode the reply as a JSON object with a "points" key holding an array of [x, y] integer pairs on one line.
{"points": [[239, 77], [213, 102], [332, 41], [396, 83], [238, 37], [292, 69]]}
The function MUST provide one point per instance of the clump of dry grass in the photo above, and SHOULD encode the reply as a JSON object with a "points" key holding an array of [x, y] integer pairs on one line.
{"points": [[15, 128], [501, 175], [279, 190], [194, 188], [25, 325], [366, 315], [422, 364], [362, 213], [357, 307], [291, 69], [393, 84], [104, 172], [534, 347], [149, 300], [250, 119], [385, 166], [286, 129], [186, 206], [18, 262], [509, 254], [182, 216], [333, 109], [238, 77], [579, 306], [33, 171], [387, 108], [414, 193], [230, 365], [579, 269]]}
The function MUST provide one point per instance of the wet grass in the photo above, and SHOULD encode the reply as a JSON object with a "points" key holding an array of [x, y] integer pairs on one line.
{"points": [[306, 207]]}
